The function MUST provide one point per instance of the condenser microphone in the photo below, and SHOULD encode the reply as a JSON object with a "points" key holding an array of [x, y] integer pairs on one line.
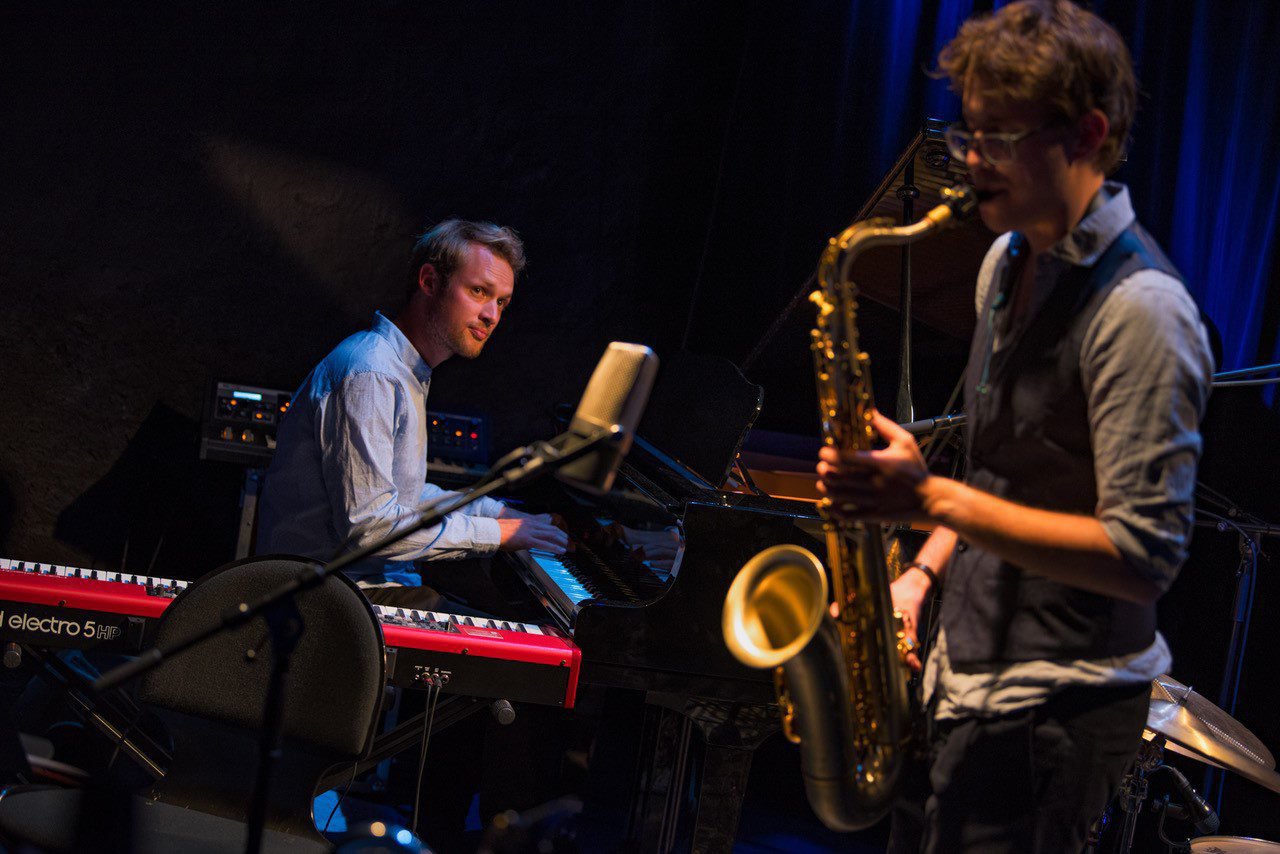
{"points": [[614, 400]]}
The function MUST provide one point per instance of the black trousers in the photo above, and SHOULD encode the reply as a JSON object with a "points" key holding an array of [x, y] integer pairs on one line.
{"points": [[1030, 782]]}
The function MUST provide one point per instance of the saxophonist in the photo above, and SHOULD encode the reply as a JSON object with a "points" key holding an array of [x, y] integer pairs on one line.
{"points": [[1087, 379]]}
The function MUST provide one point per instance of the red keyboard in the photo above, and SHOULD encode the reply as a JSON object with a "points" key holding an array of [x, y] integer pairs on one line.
{"points": [[480, 657], [57, 606]]}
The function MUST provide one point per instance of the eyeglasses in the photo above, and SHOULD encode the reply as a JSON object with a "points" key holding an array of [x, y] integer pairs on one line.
{"points": [[995, 148]]}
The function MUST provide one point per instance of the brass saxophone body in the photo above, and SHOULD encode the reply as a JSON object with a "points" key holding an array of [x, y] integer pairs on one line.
{"points": [[842, 682]]}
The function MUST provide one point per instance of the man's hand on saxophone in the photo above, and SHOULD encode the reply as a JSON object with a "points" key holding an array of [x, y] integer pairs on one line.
{"points": [[885, 485], [893, 485]]}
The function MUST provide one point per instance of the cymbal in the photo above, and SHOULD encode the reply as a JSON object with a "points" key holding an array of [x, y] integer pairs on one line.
{"points": [[1194, 727], [1233, 845]]}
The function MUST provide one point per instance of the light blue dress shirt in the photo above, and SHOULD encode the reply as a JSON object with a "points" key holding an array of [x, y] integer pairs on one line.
{"points": [[351, 461]]}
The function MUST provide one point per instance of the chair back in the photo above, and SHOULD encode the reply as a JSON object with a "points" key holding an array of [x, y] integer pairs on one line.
{"points": [[212, 696]]}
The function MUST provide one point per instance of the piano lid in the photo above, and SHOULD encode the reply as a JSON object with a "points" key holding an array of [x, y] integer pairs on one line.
{"points": [[698, 415], [944, 268]]}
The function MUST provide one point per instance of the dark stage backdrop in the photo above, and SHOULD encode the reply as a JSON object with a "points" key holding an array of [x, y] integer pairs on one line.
{"points": [[199, 190]]}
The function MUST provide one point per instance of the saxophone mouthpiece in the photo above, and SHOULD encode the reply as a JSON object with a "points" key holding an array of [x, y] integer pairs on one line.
{"points": [[961, 199], [957, 203]]}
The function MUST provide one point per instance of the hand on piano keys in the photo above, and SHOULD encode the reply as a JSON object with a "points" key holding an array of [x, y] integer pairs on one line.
{"points": [[524, 531]]}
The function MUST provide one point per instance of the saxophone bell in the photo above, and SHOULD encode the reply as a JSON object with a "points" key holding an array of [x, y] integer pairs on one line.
{"points": [[774, 606]]}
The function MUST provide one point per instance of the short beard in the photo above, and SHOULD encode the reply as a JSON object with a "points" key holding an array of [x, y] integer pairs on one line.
{"points": [[461, 343]]}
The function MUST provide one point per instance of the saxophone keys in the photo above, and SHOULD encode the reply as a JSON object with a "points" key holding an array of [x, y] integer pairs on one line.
{"points": [[786, 705], [905, 645], [824, 305]]}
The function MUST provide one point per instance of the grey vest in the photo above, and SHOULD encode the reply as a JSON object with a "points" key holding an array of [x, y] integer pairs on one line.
{"points": [[1029, 442]]}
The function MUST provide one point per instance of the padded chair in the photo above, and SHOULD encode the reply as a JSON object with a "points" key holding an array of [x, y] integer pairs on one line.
{"points": [[211, 697]]}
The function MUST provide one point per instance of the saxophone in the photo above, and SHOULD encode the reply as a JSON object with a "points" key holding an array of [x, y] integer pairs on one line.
{"points": [[841, 683]]}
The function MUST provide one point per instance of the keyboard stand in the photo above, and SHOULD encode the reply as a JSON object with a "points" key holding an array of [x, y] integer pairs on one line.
{"points": [[403, 736], [253, 478], [110, 714]]}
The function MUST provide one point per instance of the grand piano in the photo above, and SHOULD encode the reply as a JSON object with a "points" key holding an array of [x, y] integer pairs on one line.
{"points": [[658, 631]]}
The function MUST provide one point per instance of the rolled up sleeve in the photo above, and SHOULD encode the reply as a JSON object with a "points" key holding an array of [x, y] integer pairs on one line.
{"points": [[1147, 370]]}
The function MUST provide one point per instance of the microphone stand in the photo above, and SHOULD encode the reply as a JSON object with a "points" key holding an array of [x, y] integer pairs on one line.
{"points": [[284, 621], [1249, 531], [929, 426]]}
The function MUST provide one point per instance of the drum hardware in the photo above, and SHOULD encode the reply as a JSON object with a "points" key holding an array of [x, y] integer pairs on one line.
{"points": [[1195, 727], [1184, 722], [1133, 789], [1250, 531]]}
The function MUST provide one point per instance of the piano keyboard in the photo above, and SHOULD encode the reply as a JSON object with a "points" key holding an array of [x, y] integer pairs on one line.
{"points": [[442, 622], [559, 579], [51, 584], [47, 605], [581, 577]]}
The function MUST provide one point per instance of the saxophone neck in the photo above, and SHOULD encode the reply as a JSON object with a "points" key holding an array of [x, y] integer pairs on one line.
{"points": [[958, 202]]}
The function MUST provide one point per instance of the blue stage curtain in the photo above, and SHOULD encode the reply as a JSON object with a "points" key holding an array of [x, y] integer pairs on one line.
{"points": [[831, 91], [1203, 164]]}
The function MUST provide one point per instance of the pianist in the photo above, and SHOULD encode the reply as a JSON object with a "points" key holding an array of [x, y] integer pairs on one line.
{"points": [[351, 463]]}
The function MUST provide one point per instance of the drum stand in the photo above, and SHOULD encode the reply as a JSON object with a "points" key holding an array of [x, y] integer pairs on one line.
{"points": [[1133, 791], [1250, 534]]}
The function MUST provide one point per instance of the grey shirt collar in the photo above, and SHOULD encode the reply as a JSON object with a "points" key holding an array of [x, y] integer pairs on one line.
{"points": [[1108, 215]]}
